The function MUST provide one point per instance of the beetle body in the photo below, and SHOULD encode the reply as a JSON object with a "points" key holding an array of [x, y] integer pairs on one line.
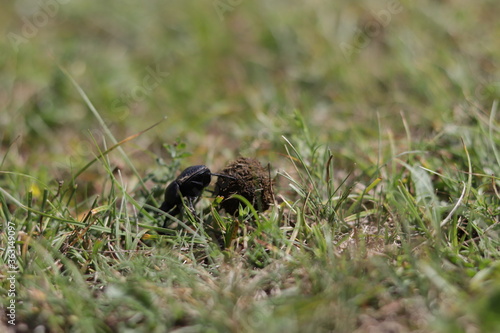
{"points": [[189, 185]]}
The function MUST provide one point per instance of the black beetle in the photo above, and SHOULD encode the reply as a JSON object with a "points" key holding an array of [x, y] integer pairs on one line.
{"points": [[189, 185]]}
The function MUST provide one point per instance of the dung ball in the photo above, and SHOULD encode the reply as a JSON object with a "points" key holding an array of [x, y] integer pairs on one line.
{"points": [[248, 178]]}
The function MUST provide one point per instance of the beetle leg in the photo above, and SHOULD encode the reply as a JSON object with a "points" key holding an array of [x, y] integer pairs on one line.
{"points": [[190, 203]]}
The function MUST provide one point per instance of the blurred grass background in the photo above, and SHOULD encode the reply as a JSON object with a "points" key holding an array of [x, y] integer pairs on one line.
{"points": [[229, 75], [366, 79]]}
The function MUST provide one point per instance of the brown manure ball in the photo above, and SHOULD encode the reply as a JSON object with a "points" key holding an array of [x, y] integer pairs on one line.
{"points": [[248, 178]]}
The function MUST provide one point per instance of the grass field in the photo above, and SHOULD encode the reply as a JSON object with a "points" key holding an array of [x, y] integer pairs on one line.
{"points": [[379, 122]]}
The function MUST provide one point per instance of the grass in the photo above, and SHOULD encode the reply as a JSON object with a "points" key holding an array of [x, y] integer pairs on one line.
{"points": [[385, 163]]}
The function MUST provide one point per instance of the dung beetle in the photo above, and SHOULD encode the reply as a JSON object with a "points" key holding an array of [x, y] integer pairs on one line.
{"points": [[189, 185]]}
